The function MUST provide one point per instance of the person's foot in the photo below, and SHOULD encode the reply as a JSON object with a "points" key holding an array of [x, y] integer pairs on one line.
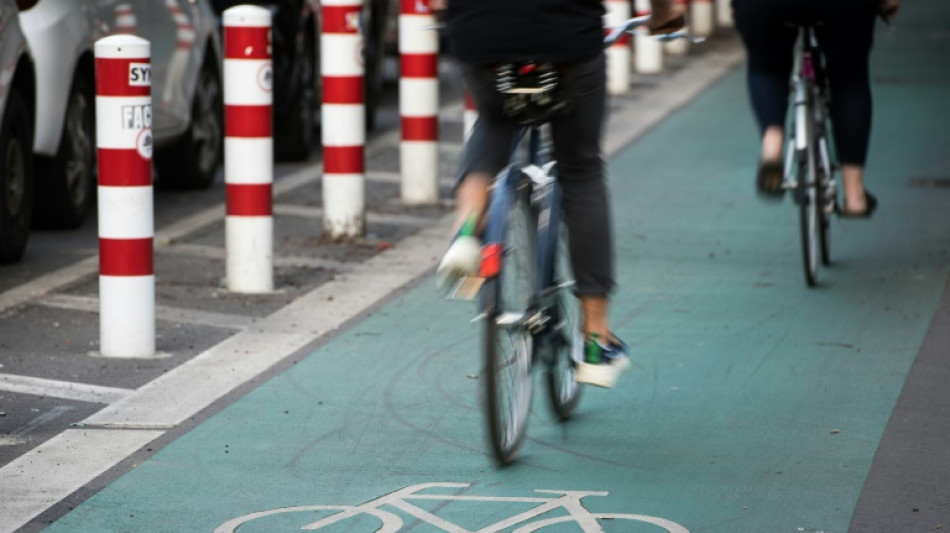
{"points": [[770, 180], [602, 363], [461, 261], [859, 209]]}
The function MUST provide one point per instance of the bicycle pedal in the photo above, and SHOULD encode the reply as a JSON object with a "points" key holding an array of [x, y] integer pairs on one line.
{"points": [[467, 288]]}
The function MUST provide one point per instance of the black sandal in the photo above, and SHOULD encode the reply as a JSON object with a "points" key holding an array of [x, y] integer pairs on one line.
{"points": [[770, 180], [870, 204]]}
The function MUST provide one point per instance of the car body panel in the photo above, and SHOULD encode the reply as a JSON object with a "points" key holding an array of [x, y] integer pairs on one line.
{"points": [[13, 48], [63, 33]]}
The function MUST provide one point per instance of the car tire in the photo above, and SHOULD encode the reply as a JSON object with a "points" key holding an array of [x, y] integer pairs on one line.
{"points": [[16, 178], [69, 178], [294, 138], [373, 53], [192, 161]]}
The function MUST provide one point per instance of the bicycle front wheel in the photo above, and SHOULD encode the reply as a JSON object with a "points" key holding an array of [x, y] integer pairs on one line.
{"points": [[508, 343], [568, 340]]}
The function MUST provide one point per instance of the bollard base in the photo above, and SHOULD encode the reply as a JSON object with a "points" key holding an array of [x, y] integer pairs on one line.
{"points": [[154, 355]]}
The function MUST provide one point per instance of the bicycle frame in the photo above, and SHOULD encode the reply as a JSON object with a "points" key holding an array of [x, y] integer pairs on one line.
{"points": [[545, 195], [810, 97], [809, 163]]}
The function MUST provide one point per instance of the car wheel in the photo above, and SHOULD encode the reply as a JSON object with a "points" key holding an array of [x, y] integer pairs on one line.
{"points": [[295, 137], [192, 161], [16, 178], [69, 178], [373, 51]]}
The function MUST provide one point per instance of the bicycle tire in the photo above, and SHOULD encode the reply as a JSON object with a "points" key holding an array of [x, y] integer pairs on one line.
{"points": [[564, 390], [827, 195], [808, 209], [508, 345]]}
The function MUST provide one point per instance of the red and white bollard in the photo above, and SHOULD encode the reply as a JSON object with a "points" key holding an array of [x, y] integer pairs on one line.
{"points": [[248, 149], [185, 35], [126, 221], [648, 52], [724, 14], [702, 18], [679, 47], [618, 53], [469, 115], [125, 21], [418, 102], [343, 119]]}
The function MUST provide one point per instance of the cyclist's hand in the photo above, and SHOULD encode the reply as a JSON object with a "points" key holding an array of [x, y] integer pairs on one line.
{"points": [[438, 5], [889, 9], [666, 17]]}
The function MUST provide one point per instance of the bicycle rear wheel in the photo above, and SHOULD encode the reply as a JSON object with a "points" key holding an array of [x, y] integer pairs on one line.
{"points": [[809, 209], [508, 343], [564, 390], [827, 196]]}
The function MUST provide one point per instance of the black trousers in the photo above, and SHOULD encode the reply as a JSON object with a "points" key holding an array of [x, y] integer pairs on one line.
{"points": [[845, 32], [576, 133]]}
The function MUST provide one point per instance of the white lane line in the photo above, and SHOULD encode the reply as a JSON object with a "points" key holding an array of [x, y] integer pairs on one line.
{"points": [[90, 304], [66, 390], [60, 466], [314, 212], [48, 283], [216, 252]]}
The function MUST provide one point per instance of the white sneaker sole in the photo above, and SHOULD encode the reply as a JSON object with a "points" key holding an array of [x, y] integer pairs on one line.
{"points": [[459, 264], [601, 375]]}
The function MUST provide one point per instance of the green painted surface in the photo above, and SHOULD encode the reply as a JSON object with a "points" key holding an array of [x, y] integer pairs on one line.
{"points": [[754, 404]]}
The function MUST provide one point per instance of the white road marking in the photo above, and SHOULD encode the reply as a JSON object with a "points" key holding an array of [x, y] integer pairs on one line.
{"points": [[90, 304], [60, 466], [219, 253], [66, 390], [314, 212]]}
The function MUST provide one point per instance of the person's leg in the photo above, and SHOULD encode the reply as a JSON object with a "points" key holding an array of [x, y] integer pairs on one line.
{"points": [[484, 155], [576, 135], [846, 38], [769, 42], [581, 173]]}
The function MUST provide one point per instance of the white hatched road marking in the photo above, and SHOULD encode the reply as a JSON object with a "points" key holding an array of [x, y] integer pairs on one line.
{"points": [[62, 389]]}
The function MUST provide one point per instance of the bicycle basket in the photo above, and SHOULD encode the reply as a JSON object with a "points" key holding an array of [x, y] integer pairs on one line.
{"points": [[530, 91]]}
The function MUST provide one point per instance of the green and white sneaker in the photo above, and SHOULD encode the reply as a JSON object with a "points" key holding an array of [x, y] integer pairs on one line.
{"points": [[602, 363], [457, 273]]}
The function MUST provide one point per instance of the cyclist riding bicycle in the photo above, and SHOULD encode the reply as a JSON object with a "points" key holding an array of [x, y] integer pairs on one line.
{"points": [[568, 34], [845, 31]]}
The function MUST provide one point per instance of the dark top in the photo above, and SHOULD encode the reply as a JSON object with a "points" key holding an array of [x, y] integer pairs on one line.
{"points": [[560, 31]]}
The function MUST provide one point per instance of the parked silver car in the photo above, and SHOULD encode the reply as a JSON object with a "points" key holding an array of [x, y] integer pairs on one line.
{"points": [[17, 104], [186, 95]]}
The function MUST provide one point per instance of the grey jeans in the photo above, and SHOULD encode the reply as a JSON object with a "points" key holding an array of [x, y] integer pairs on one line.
{"points": [[576, 133]]}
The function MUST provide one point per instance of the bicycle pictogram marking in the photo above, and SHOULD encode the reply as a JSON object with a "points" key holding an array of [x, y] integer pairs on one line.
{"points": [[391, 522]]}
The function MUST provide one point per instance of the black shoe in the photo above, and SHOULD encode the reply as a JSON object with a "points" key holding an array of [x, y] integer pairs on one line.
{"points": [[770, 181], [870, 204]]}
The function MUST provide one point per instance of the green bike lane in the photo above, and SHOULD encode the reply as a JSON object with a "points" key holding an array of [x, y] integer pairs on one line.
{"points": [[754, 404]]}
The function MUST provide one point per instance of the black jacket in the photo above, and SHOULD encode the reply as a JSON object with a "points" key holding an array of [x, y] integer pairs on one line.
{"points": [[560, 31]]}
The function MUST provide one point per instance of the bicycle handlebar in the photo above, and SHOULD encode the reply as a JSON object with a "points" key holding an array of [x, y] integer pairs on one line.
{"points": [[634, 25]]}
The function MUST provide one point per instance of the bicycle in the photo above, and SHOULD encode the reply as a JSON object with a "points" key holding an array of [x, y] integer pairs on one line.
{"points": [[569, 501], [810, 161], [527, 305]]}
